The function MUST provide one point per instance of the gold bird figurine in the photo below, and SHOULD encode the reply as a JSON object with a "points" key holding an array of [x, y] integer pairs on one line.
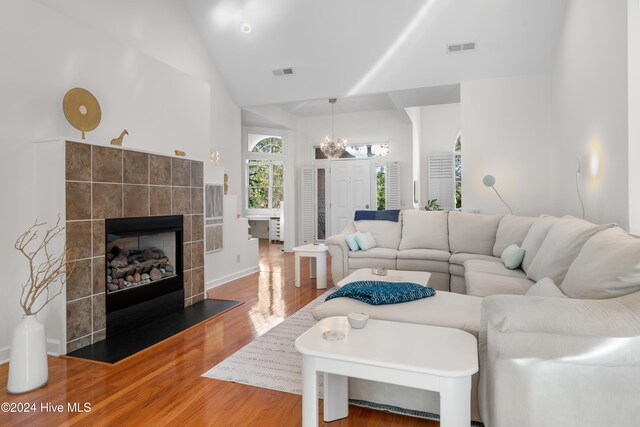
{"points": [[180, 153], [118, 140]]}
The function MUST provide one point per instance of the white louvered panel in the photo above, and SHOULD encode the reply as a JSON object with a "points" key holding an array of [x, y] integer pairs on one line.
{"points": [[307, 205], [393, 185], [442, 180]]}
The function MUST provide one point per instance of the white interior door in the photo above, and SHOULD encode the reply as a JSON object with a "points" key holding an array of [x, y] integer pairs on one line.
{"points": [[350, 191]]}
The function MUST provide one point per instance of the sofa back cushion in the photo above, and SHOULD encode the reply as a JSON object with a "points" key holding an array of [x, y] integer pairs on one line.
{"points": [[425, 230], [534, 238], [512, 230], [472, 233], [561, 247], [386, 233], [608, 266]]}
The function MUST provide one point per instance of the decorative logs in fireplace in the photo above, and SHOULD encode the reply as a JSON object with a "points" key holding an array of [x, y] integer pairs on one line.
{"points": [[127, 268]]}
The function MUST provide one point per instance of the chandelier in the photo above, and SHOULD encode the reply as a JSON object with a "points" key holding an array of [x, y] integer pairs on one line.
{"points": [[331, 147]]}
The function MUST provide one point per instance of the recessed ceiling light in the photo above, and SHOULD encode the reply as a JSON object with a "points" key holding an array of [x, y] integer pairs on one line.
{"points": [[245, 28]]}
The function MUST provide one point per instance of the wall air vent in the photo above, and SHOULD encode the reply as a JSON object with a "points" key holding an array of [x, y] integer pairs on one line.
{"points": [[461, 47], [285, 71]]}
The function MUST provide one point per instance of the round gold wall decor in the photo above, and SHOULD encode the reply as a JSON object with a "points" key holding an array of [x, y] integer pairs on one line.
{"points": [[81, 109]]}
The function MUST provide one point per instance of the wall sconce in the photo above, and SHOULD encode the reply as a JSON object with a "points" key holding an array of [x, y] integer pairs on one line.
{"points": [[594, 163], [214, 157], [489, 181]]}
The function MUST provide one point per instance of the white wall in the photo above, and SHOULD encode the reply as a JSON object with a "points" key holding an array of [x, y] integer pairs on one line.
{"points": [[591, 110], [506, 132], [634, 114], [164, 106], [388, 125], [440, 126]]}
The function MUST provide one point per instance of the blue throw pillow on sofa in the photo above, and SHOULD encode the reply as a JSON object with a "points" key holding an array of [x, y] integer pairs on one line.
{"points": [[380, 293]]}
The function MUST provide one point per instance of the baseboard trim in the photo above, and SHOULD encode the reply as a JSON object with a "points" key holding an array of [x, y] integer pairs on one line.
{"points": [[226, 279], [4, 355], [54, 348]]}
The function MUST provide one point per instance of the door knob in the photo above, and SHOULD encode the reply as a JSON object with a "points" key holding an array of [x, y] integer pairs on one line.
{"points": [[366, 206]]}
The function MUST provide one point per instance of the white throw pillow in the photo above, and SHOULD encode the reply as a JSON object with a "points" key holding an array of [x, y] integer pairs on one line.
{"points": [[561, 247], [545, 288], [608, 266], [512, 257], [366, 241]]}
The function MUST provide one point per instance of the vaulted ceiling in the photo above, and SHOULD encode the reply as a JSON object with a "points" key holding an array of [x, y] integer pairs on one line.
{"points": [[365, 47]]}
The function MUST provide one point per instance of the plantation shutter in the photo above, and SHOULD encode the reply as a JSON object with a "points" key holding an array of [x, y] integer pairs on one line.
{"points": [[442, 184], [307, 207], [393, 185]]}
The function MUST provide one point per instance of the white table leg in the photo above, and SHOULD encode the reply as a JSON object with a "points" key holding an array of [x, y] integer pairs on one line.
{"points": [[455, 403], [313, 260], [321, 270], [336, 397], [297, 268], [309, 393]]}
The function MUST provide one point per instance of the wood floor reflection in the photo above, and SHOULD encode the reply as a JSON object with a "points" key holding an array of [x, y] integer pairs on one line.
{"points": [[161, 386]]}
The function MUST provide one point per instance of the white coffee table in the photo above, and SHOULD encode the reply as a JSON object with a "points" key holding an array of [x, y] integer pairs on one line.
{"points": [[317, 269], [419, 356], [419, 277]]}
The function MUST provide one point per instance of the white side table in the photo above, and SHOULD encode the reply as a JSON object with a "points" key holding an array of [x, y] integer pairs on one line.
{"points": [[317, 269], [412, 355]]}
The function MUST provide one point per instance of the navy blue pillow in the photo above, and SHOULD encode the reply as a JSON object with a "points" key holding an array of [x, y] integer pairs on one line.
{"points": [[380, 293]]}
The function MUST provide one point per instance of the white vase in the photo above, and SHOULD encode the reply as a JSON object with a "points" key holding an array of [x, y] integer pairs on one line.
{"points": [[28, 366]]}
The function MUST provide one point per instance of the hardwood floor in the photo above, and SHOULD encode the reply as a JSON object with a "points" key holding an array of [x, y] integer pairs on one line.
{"points": [[162, 385]]}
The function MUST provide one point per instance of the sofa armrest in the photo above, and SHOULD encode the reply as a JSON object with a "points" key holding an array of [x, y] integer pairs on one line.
{"points": [[517, 313], [556, 361], [339, 251]]}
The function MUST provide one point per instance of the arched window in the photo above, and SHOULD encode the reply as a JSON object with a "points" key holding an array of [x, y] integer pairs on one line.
{"points": [[264, 172], [457, 154], [269, 145]]}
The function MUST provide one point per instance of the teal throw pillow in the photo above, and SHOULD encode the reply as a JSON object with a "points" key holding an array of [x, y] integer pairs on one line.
{"points": [[352, 242], [366, 241], [512, 257]]}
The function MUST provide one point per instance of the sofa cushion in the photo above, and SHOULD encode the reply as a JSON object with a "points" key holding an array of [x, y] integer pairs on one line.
{"points": [[492, 267], [608, 266], [512, 230], [561, 247], [472, 233], [425, 230], [485, 284], [456, 262], [443, 309], [460, 259], [427, 254], [545, 288], [534, 238], [423, 265], [386, 233], [380, 253]]}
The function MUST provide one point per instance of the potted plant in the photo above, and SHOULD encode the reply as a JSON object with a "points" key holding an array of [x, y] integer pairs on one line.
{"points": [[432, 205], [48, 273]]}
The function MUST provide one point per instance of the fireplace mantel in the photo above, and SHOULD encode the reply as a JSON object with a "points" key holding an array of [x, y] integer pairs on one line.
{"points": [[86, 182]]}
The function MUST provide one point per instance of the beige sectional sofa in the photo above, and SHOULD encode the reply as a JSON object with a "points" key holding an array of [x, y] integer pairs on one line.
{"points": [[543, 360]]}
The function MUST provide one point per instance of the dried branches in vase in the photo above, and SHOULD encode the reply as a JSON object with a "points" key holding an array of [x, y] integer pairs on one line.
{"points": [[28, 367], [45, 267]]}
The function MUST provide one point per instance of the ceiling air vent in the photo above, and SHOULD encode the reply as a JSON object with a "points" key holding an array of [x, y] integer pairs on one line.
{"points": [[461, 47], [286, 71]]}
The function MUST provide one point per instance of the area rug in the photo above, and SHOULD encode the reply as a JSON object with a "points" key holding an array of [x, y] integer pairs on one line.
{"points": [[271, 361]]}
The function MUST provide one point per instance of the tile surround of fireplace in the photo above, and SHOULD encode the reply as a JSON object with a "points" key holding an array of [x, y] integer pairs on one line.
{"points": [[106, 182]]}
